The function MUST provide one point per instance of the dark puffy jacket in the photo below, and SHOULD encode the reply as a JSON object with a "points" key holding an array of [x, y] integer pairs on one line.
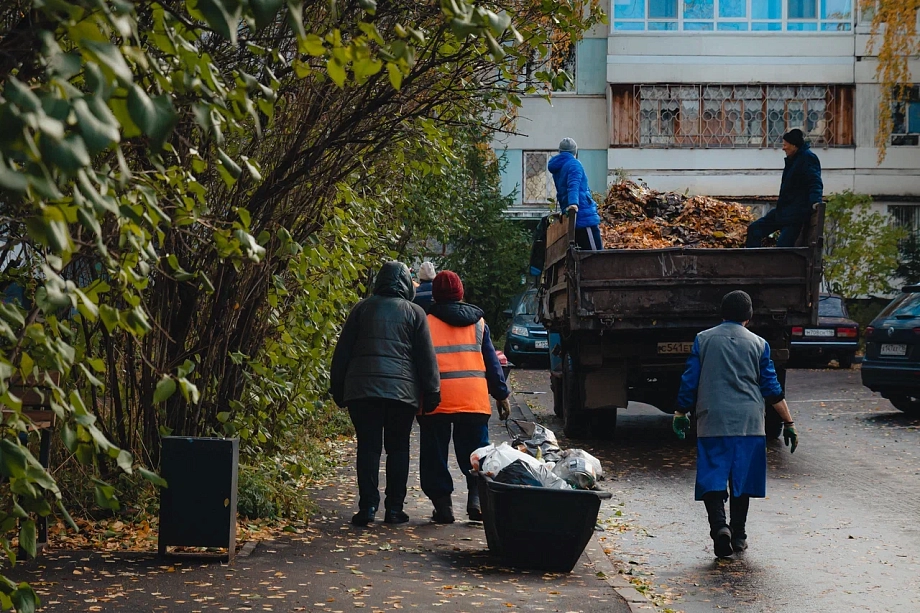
{"points": [[572, 188], [423, 294], [460, 315], [385, 350], [801, 187]]}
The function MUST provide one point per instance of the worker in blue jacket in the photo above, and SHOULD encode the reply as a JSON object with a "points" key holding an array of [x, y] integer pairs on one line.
{"points": [[800, 193], [572, 191], [728, 376]]}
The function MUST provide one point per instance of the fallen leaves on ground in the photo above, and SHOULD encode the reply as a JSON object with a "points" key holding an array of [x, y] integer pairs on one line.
{"points": [[637, 217]]}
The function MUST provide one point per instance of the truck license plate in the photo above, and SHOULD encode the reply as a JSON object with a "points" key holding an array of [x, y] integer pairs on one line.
{"points": [[818, 332], [674, 348], [893, 350], [541, 344]]}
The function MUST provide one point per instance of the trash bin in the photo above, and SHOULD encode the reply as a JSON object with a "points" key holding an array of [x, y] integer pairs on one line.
{"points": [[536, 527], [198, 508]]}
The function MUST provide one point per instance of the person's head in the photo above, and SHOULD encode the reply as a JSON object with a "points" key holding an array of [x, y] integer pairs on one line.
{"points": [[568, 145], [426, 271], [793, 140], [447, 287], [737, 307], [394, 279]]}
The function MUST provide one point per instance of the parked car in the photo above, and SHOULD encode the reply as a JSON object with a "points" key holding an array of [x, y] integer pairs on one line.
{"points": [[526, 340], [835, 337], [892, 363]]}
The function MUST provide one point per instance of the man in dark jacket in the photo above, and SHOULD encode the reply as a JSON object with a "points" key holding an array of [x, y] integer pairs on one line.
{"points": [[572, 191], [470, 373], [800, 192], [383, 369]]}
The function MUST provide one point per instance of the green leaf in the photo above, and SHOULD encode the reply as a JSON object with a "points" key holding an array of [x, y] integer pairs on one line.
{"points": [[156, 117], [223, 417], [152, 477], [111, 58], [189, 390], [336, 72], [222, 18], [125, 461], [27, 537], [265, 11], [97, 134], [70, 154], [166, 387], [25, 599]]}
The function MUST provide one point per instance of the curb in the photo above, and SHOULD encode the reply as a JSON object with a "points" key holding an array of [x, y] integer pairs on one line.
{"points": [[636, 600]]}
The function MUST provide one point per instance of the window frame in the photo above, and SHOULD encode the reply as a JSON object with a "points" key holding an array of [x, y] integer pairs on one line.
{"points": [[798, 25], [912, 101]]}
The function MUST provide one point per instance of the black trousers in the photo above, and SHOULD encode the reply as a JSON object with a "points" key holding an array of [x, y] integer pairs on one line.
{"points": [[382, 424], [715, 509]]}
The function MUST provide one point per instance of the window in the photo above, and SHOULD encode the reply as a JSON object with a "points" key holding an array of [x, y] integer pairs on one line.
{"points": [[538, 182], [727, 116], [831, 306], [905, 117], [733, 15]]}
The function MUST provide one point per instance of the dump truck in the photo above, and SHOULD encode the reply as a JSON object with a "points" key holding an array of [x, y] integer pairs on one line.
{"points": [[622, 321]]}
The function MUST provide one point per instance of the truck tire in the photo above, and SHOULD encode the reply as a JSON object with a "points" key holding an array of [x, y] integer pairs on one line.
{"points": [[574, 422], [555, 384], [772, 422]]}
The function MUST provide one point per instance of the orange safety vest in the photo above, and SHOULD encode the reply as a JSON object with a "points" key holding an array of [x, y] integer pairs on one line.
{"points": [[462, 369]]}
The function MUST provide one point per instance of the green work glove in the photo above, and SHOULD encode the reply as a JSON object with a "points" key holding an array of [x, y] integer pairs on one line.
{"points": [[790, 436], [680, 425]]}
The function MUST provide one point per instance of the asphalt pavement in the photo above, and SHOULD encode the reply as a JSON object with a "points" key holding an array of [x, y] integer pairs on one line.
{"points": [[838, 530]]}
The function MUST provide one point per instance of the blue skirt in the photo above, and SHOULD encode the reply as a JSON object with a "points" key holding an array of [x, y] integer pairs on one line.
{"points": [[739, 460]]}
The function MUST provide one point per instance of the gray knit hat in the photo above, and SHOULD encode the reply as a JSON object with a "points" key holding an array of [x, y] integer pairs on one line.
{"points": [[568, 144], [736, 306], [426, 272]]}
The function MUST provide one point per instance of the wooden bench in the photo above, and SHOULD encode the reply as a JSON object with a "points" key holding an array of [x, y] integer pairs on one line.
{"points": [[37, 408]]}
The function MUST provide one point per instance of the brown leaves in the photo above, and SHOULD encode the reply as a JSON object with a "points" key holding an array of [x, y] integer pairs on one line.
{"points": [[636, 217]]}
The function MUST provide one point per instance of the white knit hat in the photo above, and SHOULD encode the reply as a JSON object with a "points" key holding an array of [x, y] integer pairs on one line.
{"points": [[426, 271]]}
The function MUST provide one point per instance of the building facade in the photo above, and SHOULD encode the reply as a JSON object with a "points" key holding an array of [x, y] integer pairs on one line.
{"points": [[696, 94]]}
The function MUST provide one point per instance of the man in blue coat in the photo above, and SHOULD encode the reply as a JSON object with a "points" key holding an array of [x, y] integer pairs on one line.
{"points": [[729, 374], [800, 192], [572, 190]]}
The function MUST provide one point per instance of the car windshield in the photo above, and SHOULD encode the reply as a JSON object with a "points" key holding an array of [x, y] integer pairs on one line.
{"points": [[904, 306], [831, 306], [528, 304]]}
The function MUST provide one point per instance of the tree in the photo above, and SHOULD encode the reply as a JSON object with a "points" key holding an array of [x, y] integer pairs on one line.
{"points": [[175, 177], [860, 247], [895, 23]]}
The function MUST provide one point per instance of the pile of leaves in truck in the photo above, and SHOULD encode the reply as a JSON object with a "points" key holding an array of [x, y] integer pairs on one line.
{"points": [[634, 216]]}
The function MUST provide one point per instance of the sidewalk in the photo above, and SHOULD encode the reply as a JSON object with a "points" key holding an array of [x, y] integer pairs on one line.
{"points": [[334, 566]]}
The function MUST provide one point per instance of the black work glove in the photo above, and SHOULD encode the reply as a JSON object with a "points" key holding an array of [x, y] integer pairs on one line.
{"points": [[431, 401]]}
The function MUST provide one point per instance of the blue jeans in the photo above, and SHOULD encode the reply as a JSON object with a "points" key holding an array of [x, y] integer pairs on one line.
{"points": [[767, 225], [470, 432]]}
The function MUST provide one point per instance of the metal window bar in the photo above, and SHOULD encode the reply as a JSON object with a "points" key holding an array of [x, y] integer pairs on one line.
{"points": [[538, 181], [734, 116]]}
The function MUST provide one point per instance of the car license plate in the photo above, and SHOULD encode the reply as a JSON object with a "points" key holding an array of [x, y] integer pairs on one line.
{"points": [[674, 348], [541, 344], [893, 350], [818, 332]]}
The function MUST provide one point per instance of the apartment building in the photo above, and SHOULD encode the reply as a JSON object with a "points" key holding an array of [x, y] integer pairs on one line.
{"points": [[696, 94]]}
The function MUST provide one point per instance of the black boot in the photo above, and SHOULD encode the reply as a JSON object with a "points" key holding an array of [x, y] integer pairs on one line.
{"points": [[718, 529], [473, 506], [364, 516], [739, 510], [443, 511]]}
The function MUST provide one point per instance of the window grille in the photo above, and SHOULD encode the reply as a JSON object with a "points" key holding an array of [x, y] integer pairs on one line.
{"points": [[730, 116], [905, 117], [538, 182], [906, 216]]}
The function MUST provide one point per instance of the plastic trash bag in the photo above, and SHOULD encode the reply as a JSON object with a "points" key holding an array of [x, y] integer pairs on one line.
{"points": [[518, 473], [533, 439], [590, 459], [577, 472], [491, 460]]}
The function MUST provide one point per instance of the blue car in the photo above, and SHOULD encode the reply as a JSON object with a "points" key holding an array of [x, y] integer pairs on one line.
{"points": [[526, 340]]}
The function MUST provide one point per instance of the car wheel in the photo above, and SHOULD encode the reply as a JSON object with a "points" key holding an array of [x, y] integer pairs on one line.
{"points": [[906, 404], [845, 361]]}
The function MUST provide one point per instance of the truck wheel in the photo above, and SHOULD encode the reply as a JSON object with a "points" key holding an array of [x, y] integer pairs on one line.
{"points": [[604, 424], [574, 424], [555, 383]]}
